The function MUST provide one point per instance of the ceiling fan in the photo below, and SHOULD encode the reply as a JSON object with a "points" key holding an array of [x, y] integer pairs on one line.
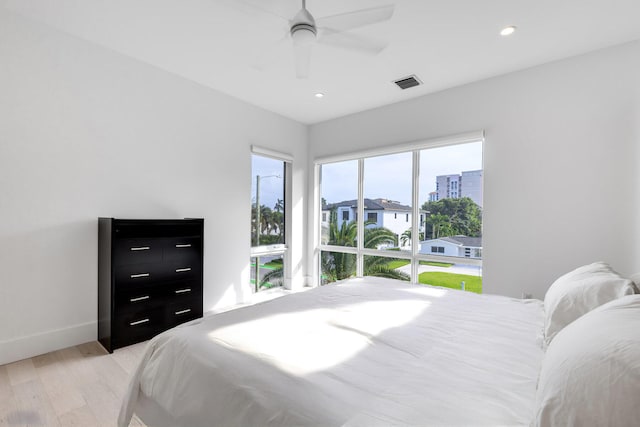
{"points": [[305, 31]]}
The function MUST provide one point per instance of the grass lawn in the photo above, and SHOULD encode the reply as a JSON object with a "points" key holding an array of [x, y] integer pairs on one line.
{"points": [[450, 280], [393, 264]]}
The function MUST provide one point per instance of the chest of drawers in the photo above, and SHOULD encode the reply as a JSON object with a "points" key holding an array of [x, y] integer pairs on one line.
{"points": [[149, 277]]}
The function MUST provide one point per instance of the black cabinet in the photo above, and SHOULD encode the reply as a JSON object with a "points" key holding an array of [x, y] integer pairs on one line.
{"points": [[149, 277]]}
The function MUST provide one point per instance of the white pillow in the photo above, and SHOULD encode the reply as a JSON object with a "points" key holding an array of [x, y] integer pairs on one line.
{"points": [[635, 278], [590, 374], [579, 292]]}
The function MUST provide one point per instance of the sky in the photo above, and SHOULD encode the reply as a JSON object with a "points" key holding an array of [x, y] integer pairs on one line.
{"points": [[271, 174], [387, 177]]}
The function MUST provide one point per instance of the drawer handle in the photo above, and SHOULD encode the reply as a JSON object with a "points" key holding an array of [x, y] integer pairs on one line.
{"points": [[183, 311], [141, 248], [182, 270], [139, 322], [139, 298], [182, 291], [135, 276], [185, 245]]}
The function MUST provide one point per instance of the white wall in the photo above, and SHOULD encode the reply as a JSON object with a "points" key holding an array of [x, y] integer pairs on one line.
{"points": [[560, 162], [85, 132]]}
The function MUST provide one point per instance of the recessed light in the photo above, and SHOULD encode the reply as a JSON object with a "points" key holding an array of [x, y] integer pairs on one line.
{"points": [[507, 31], [319, 95]]}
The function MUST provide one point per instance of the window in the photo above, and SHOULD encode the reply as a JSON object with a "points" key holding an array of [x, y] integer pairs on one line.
{"points": [[268, 219], [386, 186], [324, 217], [372, 217], [420, 181], [339, 188]]}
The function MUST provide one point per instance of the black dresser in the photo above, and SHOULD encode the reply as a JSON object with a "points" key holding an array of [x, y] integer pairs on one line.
{"points": [[149, 277]]}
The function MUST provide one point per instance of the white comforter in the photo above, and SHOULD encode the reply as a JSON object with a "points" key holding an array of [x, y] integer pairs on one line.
{"points": [[366, 352]]}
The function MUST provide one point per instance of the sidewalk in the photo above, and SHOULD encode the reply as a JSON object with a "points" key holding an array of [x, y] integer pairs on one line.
{"points": [[471, 270]]}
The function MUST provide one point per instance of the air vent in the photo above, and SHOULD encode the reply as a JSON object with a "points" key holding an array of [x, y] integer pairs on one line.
{"points": [[408, 82]]}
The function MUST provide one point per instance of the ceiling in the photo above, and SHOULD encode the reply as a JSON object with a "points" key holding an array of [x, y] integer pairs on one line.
{"points": [[446, 43]]}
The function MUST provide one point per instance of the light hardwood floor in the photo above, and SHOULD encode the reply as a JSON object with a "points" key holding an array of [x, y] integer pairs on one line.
{"points": [[77, 386]]}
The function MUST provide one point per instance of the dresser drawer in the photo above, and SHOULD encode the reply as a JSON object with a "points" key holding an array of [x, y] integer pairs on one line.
{"points": [[183, 311], [137, 325], [141, 274], [183, 290], [136, 298], [182, 270], [137, 251], [184, 249]]}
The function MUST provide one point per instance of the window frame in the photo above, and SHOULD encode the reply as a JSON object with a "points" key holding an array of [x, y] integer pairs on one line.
{"points": [[415, 257], [280, 248]]}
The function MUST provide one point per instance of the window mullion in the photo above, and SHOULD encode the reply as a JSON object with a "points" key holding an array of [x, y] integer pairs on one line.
{"points": [[415, 223], [360, 220]]}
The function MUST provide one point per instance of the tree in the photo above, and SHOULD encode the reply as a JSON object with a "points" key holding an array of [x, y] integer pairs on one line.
{"points": [[270, 222], [449, 217], [338, 265], [406, 237]]}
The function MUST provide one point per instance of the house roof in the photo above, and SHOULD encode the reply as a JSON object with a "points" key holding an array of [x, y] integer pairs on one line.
{"points": [[372, 204], [471, 242]]}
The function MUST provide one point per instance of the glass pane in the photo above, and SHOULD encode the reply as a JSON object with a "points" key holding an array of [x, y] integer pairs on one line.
{"points": [[267, 201], [339, 203], [336, 266], [391, 268], [387, 202], [269, 269], [451, 213]]}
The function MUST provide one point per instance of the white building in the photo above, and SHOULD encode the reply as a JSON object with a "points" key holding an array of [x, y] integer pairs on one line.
{"points": [[458, 246], [378, 213], [466, 184]]}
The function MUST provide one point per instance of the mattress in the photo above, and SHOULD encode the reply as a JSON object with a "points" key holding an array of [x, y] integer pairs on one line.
{"points": [[364, 352]]}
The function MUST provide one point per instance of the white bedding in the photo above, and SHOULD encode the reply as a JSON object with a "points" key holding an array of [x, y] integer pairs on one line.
{"points": [[365, 352]]}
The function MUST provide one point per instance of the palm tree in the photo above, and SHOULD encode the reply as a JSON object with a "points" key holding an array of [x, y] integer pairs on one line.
{"points": [[338, 266], [440, 226], [406, 237]]}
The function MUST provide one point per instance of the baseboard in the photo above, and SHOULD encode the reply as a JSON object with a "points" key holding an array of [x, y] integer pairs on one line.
{"points": [[37, 344]]}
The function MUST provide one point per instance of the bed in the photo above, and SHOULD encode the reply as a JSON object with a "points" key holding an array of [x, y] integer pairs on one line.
{"points": [[364, 352], [373, 352]]}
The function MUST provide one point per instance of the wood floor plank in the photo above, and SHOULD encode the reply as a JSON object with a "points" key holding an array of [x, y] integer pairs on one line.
{"points": [[8, 412], [77, 386], [104, 403], [79, 417], [5, 385], [21, 372], [59, 385], [33, 406], [128, 357]]}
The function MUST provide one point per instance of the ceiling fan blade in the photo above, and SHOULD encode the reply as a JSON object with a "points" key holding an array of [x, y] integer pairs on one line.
{"points": [[302, 59], [356, 19], [351, 42]]}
